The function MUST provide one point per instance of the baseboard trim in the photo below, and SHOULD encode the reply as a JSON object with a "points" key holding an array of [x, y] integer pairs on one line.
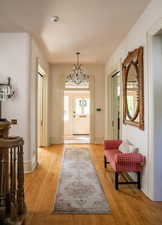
{"points": [[29, 166], [59, 140], [99, 140], [56, 140]]}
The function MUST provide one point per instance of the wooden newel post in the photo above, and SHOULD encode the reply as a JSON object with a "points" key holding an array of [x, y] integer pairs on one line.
{"points": [[4, 188], [12, 204]]}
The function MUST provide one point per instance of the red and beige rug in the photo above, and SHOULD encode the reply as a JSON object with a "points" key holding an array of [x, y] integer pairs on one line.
{"points": [[79, 190]]}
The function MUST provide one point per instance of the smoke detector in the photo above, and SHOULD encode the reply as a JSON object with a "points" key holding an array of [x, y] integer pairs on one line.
{"points": [[55, 19]]}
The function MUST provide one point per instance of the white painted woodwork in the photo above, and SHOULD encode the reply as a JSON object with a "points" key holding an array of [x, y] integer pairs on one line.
{"points": [[56, 102], [76, 124]]}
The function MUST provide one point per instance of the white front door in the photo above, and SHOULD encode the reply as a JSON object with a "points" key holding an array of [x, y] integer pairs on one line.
{"points": [[76, 113], [81, 115]]}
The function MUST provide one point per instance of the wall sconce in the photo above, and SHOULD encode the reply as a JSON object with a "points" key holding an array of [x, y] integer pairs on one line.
{"points": [[6, 92]]}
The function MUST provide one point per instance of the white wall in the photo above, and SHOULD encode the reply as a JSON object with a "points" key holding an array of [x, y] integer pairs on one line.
{"points": [[18, 60], [57, 72], [135, 38], [14, 62], [155, 108]]}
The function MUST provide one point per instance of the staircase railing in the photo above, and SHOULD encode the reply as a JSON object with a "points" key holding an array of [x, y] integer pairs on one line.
{"points": [[12, 204]]}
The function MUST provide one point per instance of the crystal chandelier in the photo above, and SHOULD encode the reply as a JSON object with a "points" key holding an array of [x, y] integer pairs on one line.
{"points": [[77, 76]]}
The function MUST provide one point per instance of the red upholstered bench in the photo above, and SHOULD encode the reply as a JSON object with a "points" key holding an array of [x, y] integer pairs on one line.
{"points": [[122, 162]]}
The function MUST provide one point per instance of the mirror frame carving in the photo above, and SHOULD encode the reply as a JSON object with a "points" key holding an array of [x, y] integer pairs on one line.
{"points": [[136, 58]]}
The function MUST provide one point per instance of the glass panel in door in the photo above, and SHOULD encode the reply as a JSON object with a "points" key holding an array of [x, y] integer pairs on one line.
{"points": [[81, 118]]}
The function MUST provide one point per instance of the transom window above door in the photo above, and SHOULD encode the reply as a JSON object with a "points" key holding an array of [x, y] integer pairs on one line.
{"points": [[70, 84]]}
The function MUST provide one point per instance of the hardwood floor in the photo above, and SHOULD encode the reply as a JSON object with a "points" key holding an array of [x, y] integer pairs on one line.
{"points": [[129, 205]]}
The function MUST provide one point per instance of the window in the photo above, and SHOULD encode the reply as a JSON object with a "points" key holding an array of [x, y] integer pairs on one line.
{"points": [[82, 106], [71, 84], [66, 108]]}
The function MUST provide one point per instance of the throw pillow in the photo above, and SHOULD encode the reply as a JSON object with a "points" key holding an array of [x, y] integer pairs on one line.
{"points": [[124, 147], [133, 149], [128, 147]]}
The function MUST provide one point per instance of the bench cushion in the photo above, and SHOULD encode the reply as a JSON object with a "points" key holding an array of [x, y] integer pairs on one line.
{"points": [[110, 155]]}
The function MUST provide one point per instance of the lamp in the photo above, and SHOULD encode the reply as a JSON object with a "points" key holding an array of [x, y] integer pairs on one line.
{"points": [[77, 76]]}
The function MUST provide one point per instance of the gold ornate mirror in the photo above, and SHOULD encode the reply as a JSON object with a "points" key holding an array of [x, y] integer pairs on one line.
{"points": [[133, 89]]}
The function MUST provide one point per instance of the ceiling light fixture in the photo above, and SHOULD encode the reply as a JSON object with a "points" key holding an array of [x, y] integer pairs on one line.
{"points": [[77, 75], [55, 19]]}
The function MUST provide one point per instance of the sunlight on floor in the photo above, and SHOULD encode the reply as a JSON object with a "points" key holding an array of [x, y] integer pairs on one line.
{"points": [[77, 139]]}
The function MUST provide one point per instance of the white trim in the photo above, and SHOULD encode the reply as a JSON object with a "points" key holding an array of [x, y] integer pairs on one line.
{"points": [[121, 99], [151, 145], [45, 141], [108, 102], [56, 140], [76, 89], [45, 111], [91, 90], [109, 131], [29, 166], [92, 111], [99, 140]]}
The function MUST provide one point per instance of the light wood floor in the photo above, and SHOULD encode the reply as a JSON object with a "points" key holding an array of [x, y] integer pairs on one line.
{"points": [[129, 205]]}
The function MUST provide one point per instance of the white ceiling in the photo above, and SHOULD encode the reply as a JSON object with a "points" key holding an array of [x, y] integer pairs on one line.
{"points": [[93, 27]]}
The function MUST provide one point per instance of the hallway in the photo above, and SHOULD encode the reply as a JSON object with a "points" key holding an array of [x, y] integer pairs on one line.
{"points": [[80, 73], [128, 204]]}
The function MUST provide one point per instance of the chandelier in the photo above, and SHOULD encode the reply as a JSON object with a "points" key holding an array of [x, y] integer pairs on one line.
{"points": [[77, 76]]}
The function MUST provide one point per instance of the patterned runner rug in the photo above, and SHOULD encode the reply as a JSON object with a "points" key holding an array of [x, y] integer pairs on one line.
{"points": [[79, 190]]}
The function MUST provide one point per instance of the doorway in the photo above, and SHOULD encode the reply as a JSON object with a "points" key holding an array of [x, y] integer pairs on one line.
{"points": [[116, 106], [42, 107], [154, 153], [76, 117], [40, 110]]}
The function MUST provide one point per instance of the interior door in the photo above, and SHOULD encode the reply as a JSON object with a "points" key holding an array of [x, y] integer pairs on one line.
{"points": [[40, 111], [116, 106], [81, 115]]}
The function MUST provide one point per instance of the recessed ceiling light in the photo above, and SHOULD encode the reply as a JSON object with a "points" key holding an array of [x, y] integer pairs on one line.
{"points": [[55, 19]]}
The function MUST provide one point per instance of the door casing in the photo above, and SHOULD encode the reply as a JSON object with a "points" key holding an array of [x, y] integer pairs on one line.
{"points": [[44, 127], [109, 103], [91, 90], [71, 126]]}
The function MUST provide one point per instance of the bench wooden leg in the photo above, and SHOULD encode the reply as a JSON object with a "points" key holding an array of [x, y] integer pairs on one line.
{"points": [[139, 180], [105, 163], [116, 180]]}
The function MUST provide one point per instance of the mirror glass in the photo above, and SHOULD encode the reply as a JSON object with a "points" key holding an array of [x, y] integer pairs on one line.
{"points": [[132, 93], [133, 89]]}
